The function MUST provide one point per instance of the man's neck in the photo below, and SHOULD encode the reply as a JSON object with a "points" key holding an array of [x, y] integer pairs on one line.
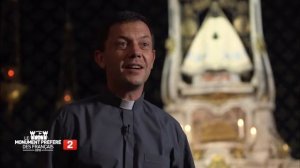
{"points": [[127, 94]]}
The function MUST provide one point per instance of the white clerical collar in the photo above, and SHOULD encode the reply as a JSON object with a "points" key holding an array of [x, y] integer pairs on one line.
{"points": [[126, 104]]}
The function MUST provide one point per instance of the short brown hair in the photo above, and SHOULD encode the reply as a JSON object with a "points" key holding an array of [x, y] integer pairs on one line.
{"points": [[119, 17]]}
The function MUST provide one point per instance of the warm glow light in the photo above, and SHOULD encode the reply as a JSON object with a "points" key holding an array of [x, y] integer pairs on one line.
{"points": [[240, 122], [11, 73], [15, 94], [187, 128], [285, 147], [253, 131], [67, 98]]}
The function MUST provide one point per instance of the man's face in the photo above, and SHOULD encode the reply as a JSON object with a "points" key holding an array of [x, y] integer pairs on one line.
{"points": [[128, 55]]}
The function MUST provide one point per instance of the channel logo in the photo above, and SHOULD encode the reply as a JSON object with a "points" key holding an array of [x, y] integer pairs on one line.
{"points": [[70, 144]]}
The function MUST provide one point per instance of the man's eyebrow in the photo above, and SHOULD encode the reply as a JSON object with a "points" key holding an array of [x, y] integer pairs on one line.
{"points": [[126, 38], [145, 36], [123, 37]]}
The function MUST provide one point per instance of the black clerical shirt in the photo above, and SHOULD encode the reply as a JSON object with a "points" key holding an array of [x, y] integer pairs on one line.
{"points": [[135, 135]]}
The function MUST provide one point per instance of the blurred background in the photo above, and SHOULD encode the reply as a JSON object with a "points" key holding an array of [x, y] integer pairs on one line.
{"points": [[46, 60]]}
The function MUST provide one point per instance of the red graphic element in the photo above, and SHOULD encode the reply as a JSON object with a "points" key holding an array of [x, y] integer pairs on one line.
{"points": [[69, 144], [11, 73]]}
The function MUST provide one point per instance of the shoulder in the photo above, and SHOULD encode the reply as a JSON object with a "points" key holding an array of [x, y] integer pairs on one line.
{"points": [[156, 110], [84, 102], [166, 122], [162, 115], [77, 108], [69, 116]]}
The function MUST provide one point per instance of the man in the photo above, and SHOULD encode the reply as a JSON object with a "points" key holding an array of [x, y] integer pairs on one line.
{"points": [[119, 129]]}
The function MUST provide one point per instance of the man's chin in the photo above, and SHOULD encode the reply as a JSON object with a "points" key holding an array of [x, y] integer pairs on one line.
{"points": [[134, 84]]}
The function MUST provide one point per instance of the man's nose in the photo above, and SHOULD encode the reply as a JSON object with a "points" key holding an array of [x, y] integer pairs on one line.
{"points": [[135, 50]]}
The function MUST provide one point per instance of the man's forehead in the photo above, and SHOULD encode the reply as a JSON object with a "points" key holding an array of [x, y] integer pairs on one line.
{"points": [[131, 27], [128, 38]]}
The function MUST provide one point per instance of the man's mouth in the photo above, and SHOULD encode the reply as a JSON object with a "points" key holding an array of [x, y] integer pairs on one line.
{"points": [[133, 66]]}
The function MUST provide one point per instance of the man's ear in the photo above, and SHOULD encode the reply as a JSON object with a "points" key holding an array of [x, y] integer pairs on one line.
{"points": [[154, 56], [99, 59]]}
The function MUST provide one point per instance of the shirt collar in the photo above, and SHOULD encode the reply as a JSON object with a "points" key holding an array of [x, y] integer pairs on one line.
{"points": [[126, 104], [108, 97]]}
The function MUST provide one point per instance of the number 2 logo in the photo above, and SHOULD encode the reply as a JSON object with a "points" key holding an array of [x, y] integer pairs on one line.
{"points": [[69, 144]]}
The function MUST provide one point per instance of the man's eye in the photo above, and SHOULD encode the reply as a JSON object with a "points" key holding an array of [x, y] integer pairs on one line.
{"points": [[121, 44], [145, 45]]}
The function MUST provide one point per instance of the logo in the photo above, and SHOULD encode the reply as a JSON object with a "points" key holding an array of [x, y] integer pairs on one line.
{"points": [[38, 141], [41, 135], [70, 144]]}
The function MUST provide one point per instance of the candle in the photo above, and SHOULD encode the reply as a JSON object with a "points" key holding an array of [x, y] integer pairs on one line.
{"points": [[253, 133], [187, 129], [241, 132]]}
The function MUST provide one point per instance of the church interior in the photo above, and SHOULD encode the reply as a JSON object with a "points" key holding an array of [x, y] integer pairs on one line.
{"points": [[225, 69]]}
